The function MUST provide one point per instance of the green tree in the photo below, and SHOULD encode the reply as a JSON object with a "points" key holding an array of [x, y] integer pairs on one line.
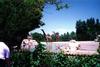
{"points": [[38, 36], [91, 28], [97, 27], [87, 30], [18, 17], [53, 37], [73, 35], [65, 37], [81, 30]]}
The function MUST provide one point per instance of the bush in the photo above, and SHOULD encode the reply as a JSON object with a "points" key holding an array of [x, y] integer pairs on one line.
{"points": [[42, 58]]}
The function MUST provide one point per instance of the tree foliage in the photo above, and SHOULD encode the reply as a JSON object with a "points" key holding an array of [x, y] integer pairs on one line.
{"points": [[87, 30], [68, 36], [63, 37], [38, 36], [18, 17]]}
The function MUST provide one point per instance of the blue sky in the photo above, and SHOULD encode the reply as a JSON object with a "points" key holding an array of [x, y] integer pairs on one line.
{"points": [[65, 20]]}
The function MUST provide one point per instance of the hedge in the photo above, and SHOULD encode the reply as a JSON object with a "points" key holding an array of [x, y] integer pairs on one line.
{"points": [[42, 58]]}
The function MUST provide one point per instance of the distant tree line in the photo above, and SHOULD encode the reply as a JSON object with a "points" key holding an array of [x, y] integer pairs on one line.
{"points": [[87, 30], [68, 36], [63, 37]]}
